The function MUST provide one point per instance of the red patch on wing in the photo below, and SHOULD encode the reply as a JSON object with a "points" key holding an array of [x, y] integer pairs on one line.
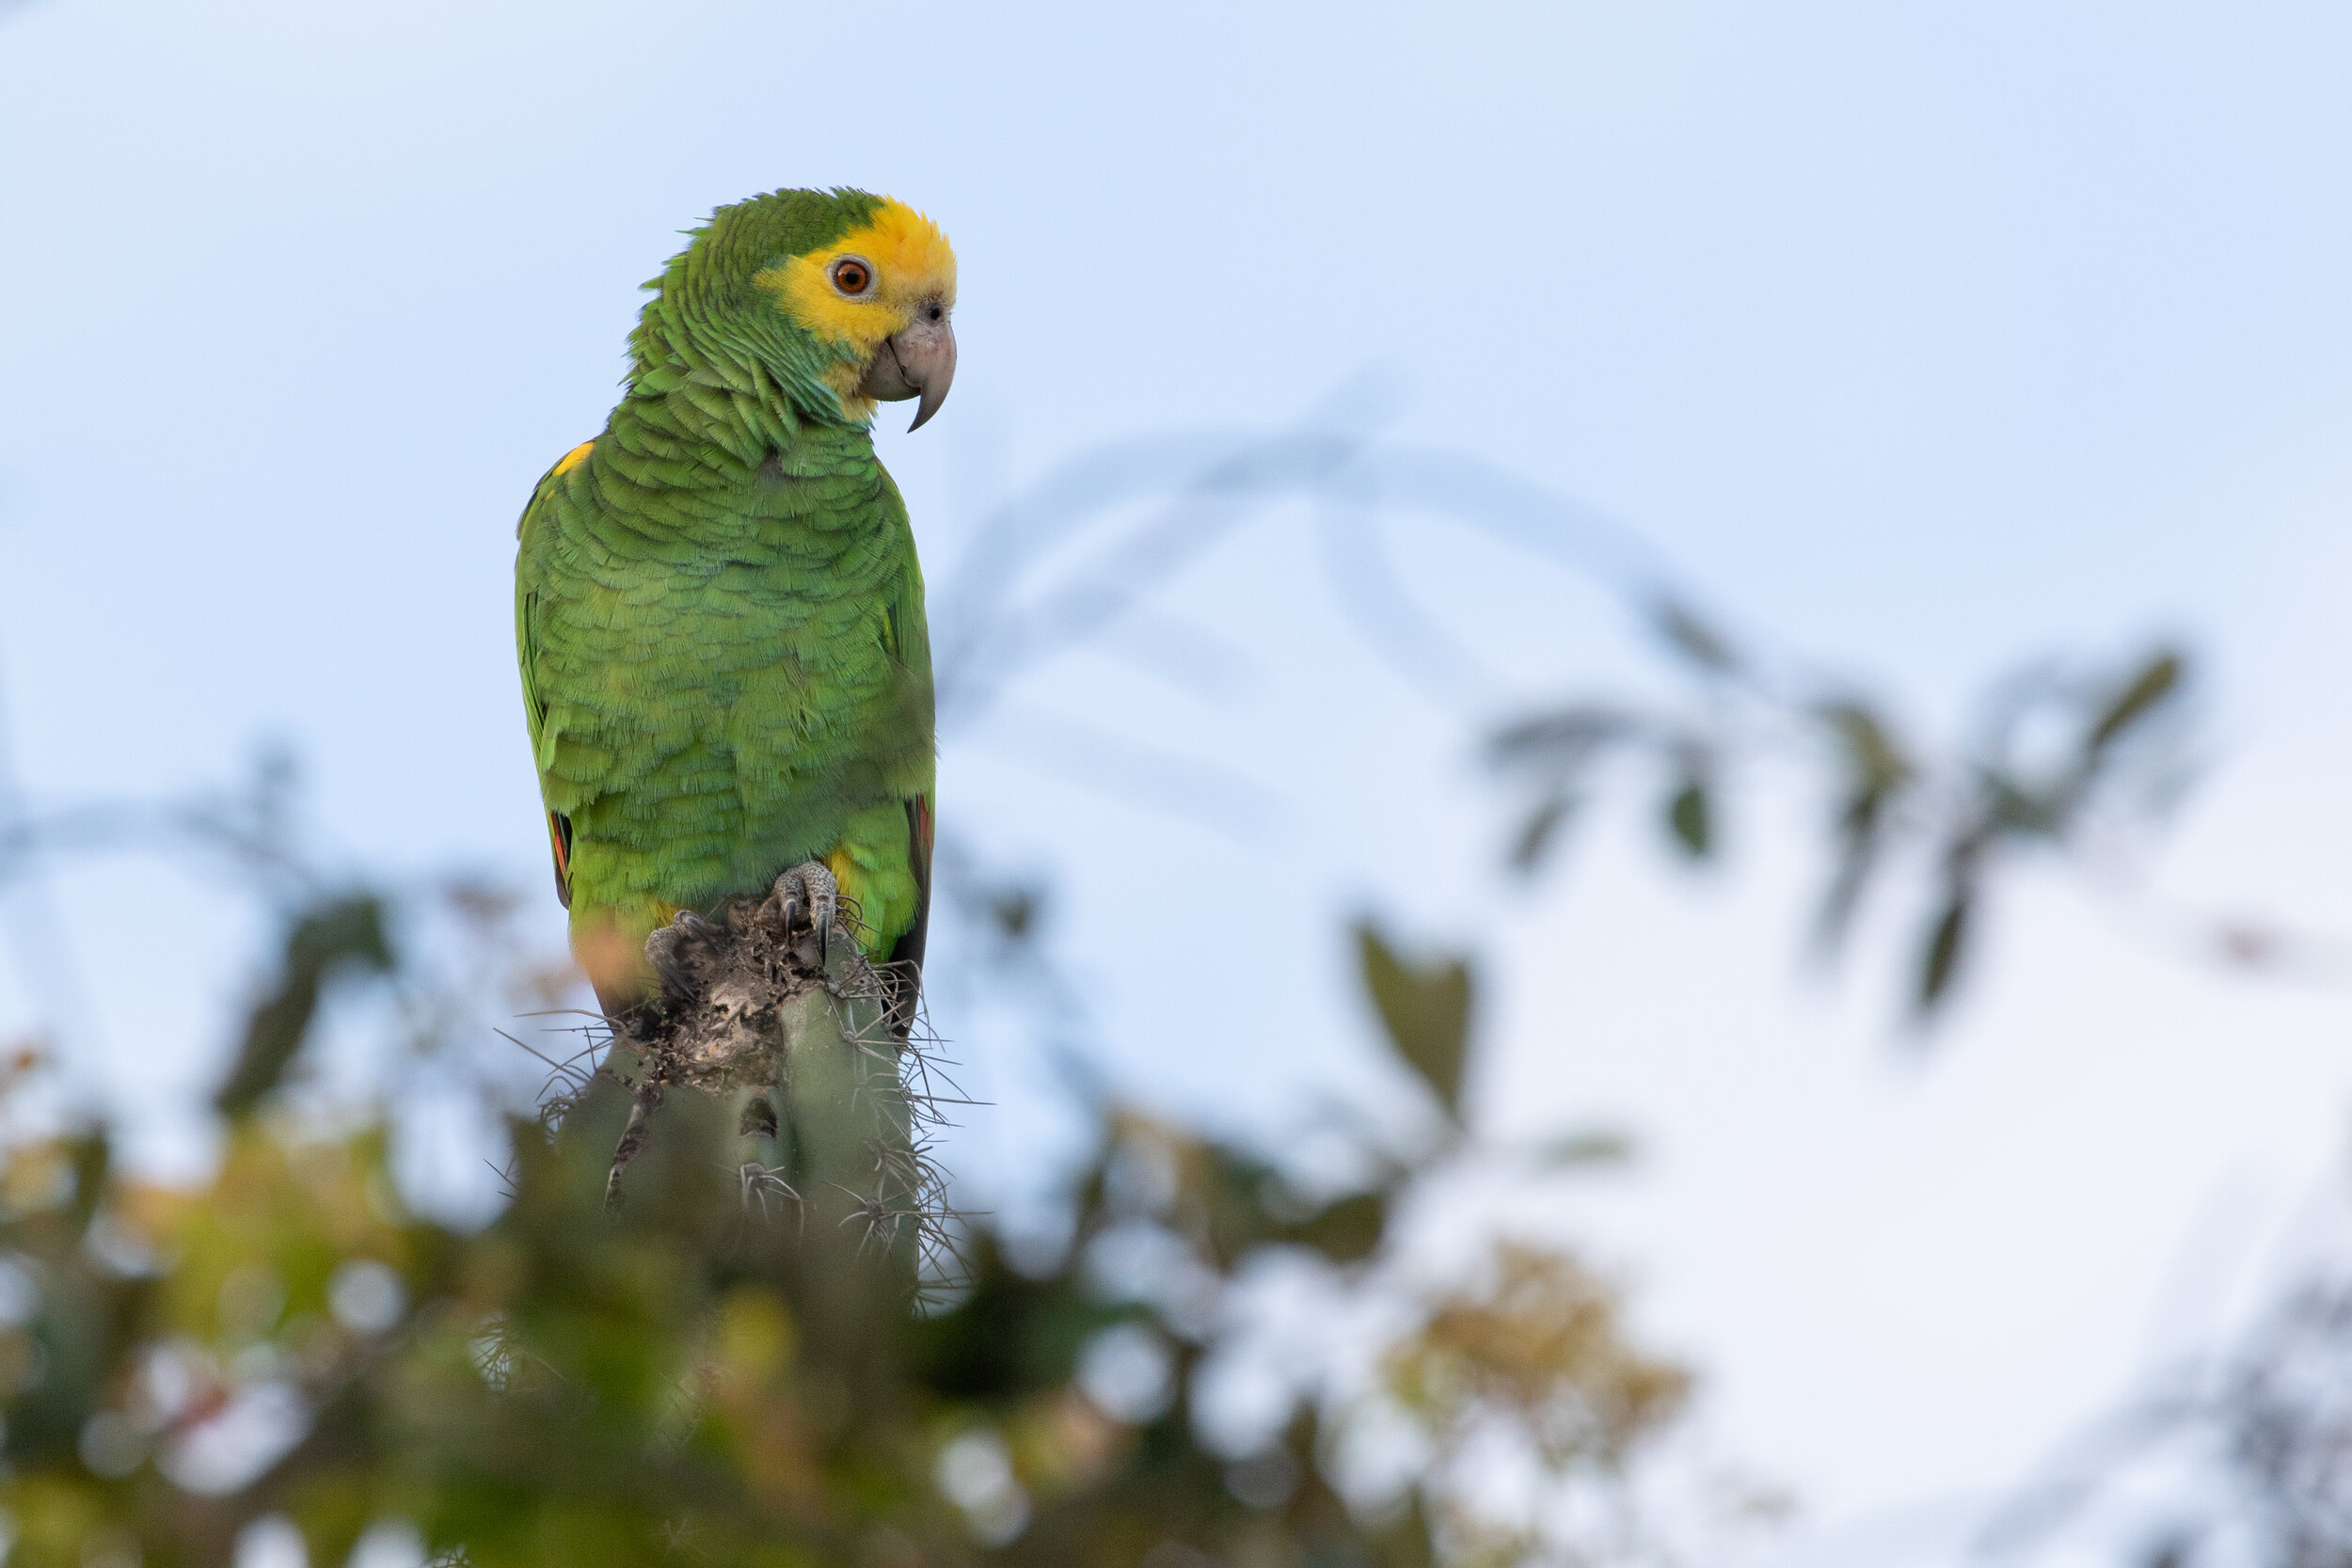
{"points": [[560, 839]]}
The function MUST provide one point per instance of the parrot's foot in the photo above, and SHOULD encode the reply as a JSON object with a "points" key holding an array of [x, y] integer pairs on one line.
{"points": [[664, 951], [808, 898]]}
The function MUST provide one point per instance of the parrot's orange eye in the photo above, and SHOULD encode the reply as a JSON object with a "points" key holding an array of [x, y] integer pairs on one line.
{"points": [[852, 275]]}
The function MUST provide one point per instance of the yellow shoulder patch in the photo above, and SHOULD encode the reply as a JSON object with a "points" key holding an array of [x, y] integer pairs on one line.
{"points": [[913, 266], [574, 458]]}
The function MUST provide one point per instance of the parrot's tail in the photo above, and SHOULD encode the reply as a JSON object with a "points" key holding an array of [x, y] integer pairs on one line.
{"points": [[903, 983], [903, 974]]}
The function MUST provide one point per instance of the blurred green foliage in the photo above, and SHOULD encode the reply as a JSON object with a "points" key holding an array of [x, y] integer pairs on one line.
{"points": [[703, 1377]]}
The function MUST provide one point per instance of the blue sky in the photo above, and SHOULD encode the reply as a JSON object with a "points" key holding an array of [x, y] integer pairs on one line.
{"points": [[1923, 338]]}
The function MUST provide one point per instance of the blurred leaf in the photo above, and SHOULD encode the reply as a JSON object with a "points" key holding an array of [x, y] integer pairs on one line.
{"points": [[1542, 826], [1014, 910], [1877, 769], [1426, 1010], [1563, 741], [1406, 1537], [1540, 1345], [1946, 942], [1690, 817], [339, 932], [2019, 807], [1875, 764], [1349, 1230], [1857, 858], [1694, 639], [2139, 696], [1595, 1146], [92, 1154]]}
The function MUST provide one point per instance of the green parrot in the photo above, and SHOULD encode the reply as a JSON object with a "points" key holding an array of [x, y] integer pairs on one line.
{"points": [[717, 610]]}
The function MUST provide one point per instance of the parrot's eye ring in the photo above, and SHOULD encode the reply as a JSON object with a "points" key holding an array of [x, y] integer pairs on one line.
{"points": [[853, 276]]}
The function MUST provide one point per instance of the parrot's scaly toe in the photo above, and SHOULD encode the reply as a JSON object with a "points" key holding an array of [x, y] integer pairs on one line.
{"points": [[808, 894], [661, 951]]}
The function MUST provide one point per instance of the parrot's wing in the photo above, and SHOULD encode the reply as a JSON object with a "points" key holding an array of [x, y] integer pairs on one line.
{"points": [[527, 656]]}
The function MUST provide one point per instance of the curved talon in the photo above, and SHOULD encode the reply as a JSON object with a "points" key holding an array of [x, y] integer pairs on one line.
{"points": [[809, 893]]}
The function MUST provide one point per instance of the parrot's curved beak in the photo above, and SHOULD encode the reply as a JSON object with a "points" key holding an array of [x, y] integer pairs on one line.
{"points": [[918, 362]]}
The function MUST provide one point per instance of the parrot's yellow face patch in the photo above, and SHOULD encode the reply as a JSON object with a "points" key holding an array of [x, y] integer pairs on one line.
{"points": [[865, 288]]}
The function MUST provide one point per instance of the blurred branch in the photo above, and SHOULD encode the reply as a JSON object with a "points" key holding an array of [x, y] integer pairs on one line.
{"points": [[340, 933], [2249, 1457], [45, 961], [250, 830], [2062, 761], [1138, 773]]}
